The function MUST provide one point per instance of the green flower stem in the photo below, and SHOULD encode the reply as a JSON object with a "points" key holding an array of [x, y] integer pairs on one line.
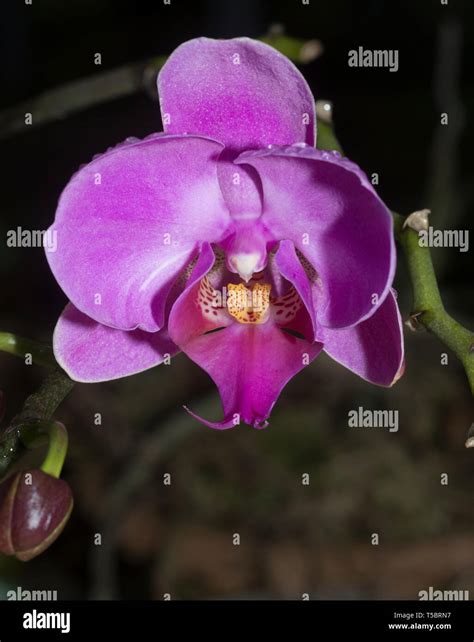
{"points": [[41, 353], [428, 308], [57, 451], [40, 406], [36, 433]]}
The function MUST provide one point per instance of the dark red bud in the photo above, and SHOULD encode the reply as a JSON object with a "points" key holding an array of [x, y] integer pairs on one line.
{"points": [[34, 508]]}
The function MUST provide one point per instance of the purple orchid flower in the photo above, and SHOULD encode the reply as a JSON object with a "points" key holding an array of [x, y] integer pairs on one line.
{"points": [[229, 237]]}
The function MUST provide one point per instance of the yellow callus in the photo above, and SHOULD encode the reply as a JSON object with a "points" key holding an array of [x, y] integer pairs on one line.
{"points": [[249, 305]]}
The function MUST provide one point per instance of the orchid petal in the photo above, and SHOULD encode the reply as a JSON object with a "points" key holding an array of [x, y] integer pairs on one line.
{"points": [[329, 209], [373, 349], [130, 221], [241, 92], [89, 351]]}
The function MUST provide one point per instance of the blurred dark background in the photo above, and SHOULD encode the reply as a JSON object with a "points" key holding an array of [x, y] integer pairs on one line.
{"points": [[295, 539]]}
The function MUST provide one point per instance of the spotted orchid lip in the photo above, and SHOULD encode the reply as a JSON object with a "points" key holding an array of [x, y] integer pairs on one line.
{"points": [[247, 304], [235, 186]]}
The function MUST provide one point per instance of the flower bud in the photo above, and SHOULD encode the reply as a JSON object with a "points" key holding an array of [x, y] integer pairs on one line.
{"points": [[34, 508]]}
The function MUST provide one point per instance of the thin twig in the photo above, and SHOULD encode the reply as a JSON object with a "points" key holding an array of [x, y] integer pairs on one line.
{"points": [[60, 102]]}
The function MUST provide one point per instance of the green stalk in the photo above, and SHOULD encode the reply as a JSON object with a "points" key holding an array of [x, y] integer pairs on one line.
{"points": [[41, 353], [38, 407], [35, 434], [428, 308]]}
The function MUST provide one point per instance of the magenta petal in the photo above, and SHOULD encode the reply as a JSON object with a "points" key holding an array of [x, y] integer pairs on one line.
{"points": [[89, 351], [373, 349], [327, 206], [241, 92], [128, 222]]}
